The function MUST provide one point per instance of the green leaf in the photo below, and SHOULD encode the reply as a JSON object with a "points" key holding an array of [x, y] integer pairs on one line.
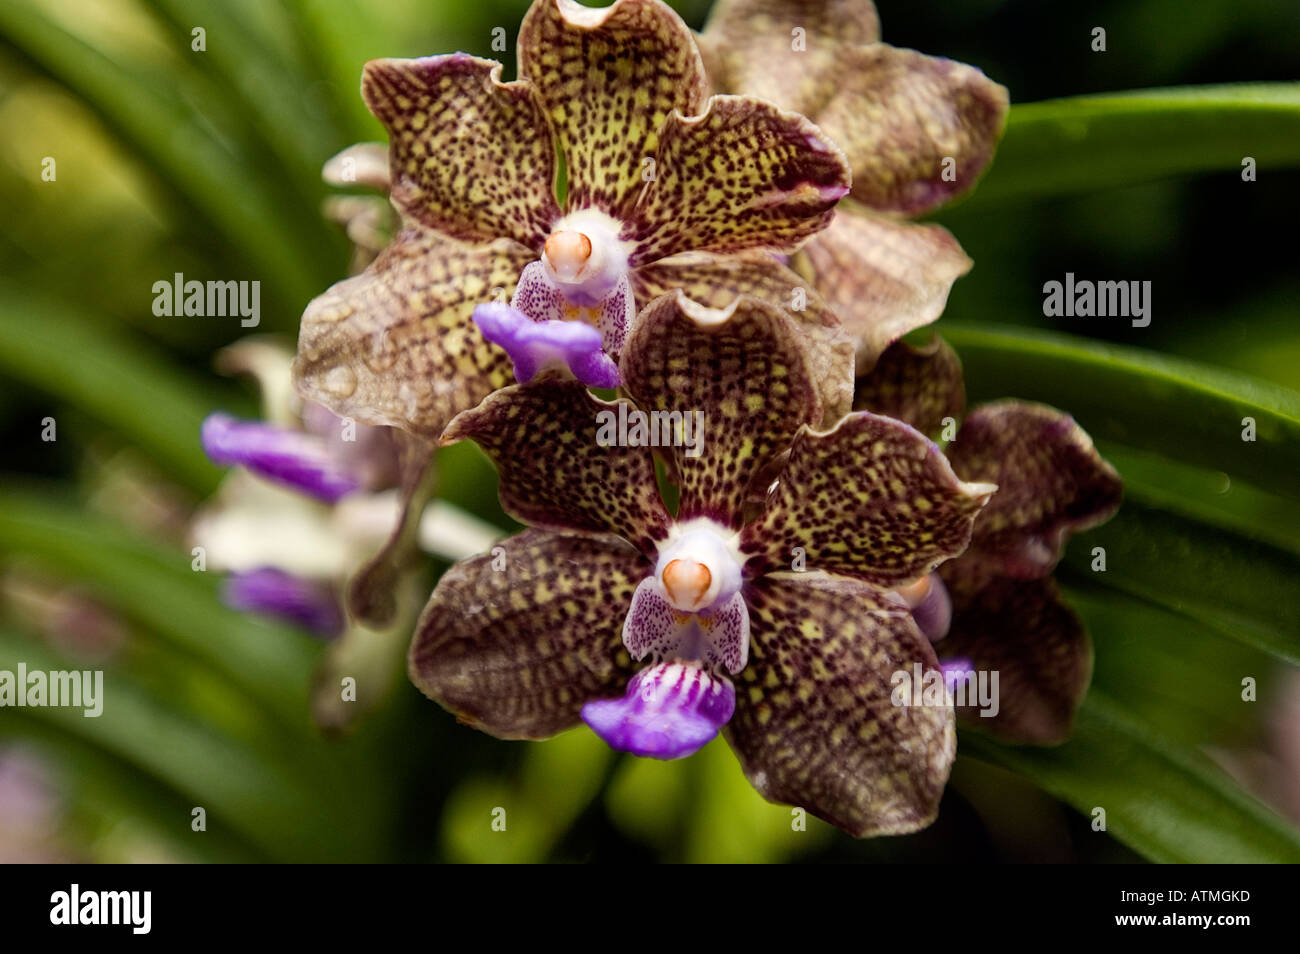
{"points": [[1209, 496], [99, 789], [1241, 587], [164, 129], [1166, 801], [1175, 674], [275, 90], [256, 797], [1185, 410], [156, 587], [1087, 143], [53, 348]]}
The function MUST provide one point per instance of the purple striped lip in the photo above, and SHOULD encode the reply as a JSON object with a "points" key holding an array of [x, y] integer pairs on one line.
{"points": [[670, 710], [273, 592], [287, 457]]}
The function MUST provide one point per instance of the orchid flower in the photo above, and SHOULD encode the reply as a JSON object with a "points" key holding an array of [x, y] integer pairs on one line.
{"points": [[917, 130], [317, 526], [666, 188], [765, 606], [996, 604]]}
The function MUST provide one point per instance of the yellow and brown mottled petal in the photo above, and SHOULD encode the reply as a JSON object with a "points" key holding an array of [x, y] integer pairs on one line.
{"points": [[543, 437], [882, 277], [718, 280], [396, 345], [1038, 646], [918, 385], [815, 724], [785, 51], [743, 370], [899, 115], [742, 175], [469, 155], [608, 80], [871, 498], [515, 643], [1051, 483]]}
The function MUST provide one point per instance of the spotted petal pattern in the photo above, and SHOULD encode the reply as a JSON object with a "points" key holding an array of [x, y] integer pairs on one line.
{"points": [[1022, 630], [871, 499], [717, 280], [719, 637], [786, 51], [395, 345], [882, 277], [517, 651], [814, 723], [899, 115], [470, 156], [554, 474], [744, 370], [920, 386], [743, 175], [609, 79], [1051, 482]]}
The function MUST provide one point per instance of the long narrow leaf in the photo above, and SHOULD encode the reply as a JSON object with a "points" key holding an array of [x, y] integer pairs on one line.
{"points": [[1165, 801], [1086, 143], [1185, 410]]}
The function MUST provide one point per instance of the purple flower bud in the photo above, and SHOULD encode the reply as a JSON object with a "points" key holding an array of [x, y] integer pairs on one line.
{"points": [[290, 458], [284, 596]]}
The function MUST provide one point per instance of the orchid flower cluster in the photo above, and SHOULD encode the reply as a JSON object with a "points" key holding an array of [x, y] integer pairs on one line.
{"points": [[716, 226]]}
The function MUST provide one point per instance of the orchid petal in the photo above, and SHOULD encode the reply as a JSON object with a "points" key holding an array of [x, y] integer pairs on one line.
{"points": [[284, 456], [470, 156], [555, 473], [920, 386], [882, 277], [1051, 483], [742, 175], [516, 641], [273, 592], [741, 373], [815, 722], [608, 80], [871, 498], [670, 710], [1038, 646], [396, 345]]}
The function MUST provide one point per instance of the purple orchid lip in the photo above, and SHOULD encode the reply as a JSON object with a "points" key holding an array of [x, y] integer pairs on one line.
{"points": [[276, 593], [670, 710], [281, 455], [534, 344]]}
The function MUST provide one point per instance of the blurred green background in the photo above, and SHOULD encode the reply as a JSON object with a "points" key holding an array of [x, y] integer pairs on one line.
{"points": [[208, 163]]}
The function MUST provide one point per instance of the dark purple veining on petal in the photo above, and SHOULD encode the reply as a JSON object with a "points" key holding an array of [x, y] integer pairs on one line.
{"points": [[274, 592], [292, 458], [670, 710]]}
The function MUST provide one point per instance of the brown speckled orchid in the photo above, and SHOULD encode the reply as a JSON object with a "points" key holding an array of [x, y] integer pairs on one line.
{"points": [[1006, 614], [917, 130], [772, 617], [666, 188]]}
